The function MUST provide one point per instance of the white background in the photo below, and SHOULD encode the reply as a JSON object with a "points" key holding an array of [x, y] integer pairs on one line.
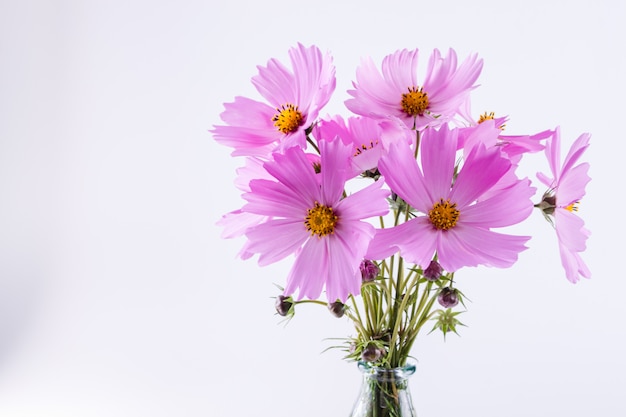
{"points": [[117, 295]]}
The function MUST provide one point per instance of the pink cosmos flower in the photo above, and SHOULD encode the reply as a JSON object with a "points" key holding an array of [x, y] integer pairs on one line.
{"points": [[235, 223], [455, 221], [369, 138], [512, 145], [488, 133], [294, 100], [311, 219], [396, 92], [567, 188]]}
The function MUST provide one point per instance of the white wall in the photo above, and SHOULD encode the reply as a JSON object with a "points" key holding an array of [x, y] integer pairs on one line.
{"points": [[117, 296]]}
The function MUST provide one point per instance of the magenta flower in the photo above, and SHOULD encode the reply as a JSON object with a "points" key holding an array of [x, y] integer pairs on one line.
{"points": [[294, 100], [454, 222], [567, 188], [396, 92], [309, 217]]}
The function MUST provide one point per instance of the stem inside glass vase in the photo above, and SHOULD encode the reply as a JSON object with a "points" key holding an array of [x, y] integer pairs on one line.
{"points": [[384, 392]]}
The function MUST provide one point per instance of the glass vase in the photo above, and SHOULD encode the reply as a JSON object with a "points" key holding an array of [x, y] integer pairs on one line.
{"points": [[384, 392]]}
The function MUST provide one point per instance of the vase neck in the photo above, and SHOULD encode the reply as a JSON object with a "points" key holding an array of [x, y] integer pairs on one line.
{"points": [[383, 374]]}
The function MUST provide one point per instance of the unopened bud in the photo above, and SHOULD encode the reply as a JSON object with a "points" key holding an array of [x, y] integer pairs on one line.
{"points": [[372, 353], [448, 297], [369, 270], [337, 308], [433, 272], [284, 305]]}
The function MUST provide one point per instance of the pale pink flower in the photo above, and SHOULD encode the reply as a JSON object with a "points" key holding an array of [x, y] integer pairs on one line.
{"points": [[453, 222], [369, 138], [309, 217], [395, 91], [514, 146], [236, 222], [488, 133], [293, 101], [566, 189]]}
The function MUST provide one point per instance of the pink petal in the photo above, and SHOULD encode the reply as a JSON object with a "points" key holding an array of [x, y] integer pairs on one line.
{"points": [[483, 168], [506, 207], [553, 153], [438, 156], [570, 230], [573, 265], [579, 147], [415, 239], [270, 198], [294, 170], [571, 187], [237, 222], [400, 70], [404, 176], [344, 276], [315, 74], [471, 246], [336, 168], [276, 83], [368, 202], [286, 237], [305, 276]]}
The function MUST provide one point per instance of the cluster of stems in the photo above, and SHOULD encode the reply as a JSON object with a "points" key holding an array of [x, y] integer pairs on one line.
{"points": [[394, 306]]}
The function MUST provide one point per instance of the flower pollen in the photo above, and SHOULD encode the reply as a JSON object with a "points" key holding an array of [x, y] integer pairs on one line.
{"points": [[288, 119], [321, 220], [444, 215], [489, 116], [415, 102], [360, 149], [486, 116], [573, 207]]}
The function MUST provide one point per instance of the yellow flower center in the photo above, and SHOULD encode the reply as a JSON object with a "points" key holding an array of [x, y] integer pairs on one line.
{"points": [[489, 116], [573, 206], [320, 220], [444, 215], [486, 116], [415, 102], [288, 119]]}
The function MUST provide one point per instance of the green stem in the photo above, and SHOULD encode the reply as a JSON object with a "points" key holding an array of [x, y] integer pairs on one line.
{"points": [[313, 144]]}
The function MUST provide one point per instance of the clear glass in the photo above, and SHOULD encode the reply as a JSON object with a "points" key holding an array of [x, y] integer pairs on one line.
{"points": [[384, 392]]}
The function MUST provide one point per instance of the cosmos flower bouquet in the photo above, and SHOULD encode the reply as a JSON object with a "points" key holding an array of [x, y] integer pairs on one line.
{"points": [[381, 209]]}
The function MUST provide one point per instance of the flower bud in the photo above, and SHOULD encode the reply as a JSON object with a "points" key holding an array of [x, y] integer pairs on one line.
{"points": [[448, 297], [369, 270], [337, 308], [547, 205], [284, 305], [433, 272], [372, 353]]}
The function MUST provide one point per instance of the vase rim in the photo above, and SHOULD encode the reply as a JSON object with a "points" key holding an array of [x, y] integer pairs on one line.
{"points": [[407, 369]]}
